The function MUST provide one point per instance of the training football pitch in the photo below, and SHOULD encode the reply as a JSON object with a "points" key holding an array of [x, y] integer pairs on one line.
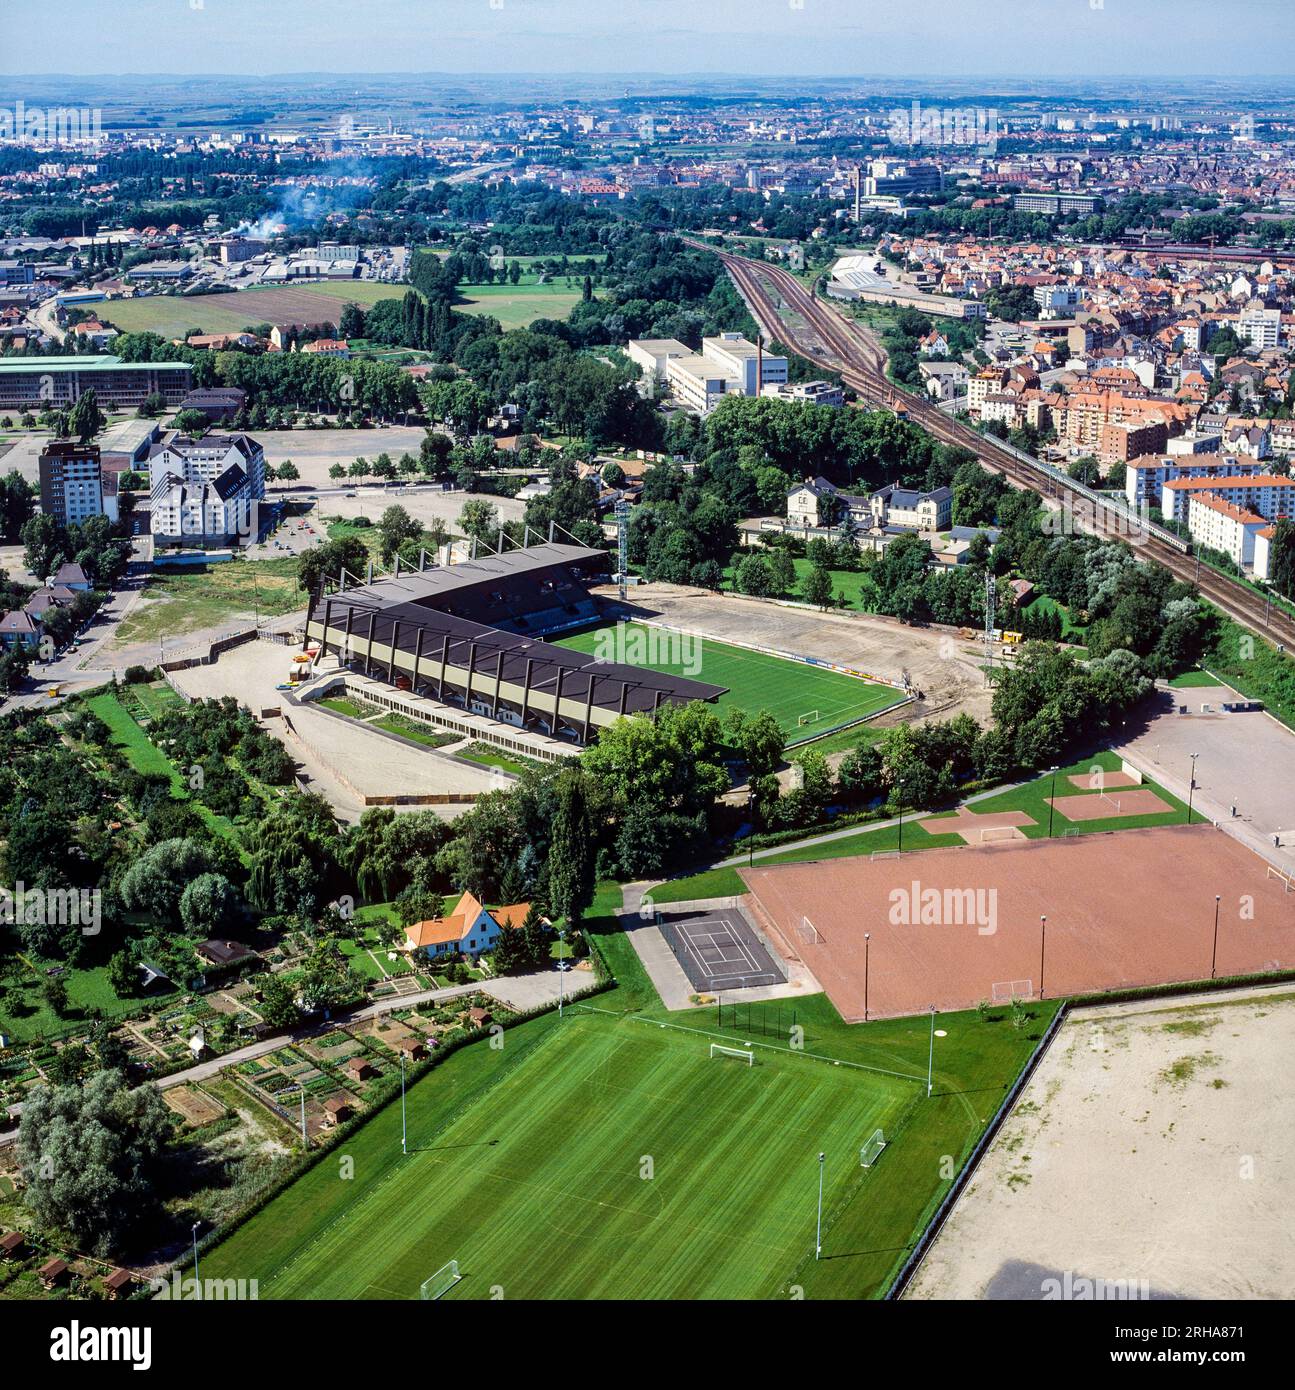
{"points": [[804, 699], [598, 1156]]}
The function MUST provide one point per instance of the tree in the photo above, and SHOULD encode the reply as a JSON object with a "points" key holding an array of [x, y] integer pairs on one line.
{"points": [[91, 1155], [397, 528], [155, 882], [209, 906], [537, 937], [278, 1004], [510, 956], [817, 587], [571, 853], [753, 577], [85, 419], [287, 472], [479, 518], [191, 422], [45, 545]]}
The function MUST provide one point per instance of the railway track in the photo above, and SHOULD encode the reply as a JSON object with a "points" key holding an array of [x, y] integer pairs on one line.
{"points": [[849, 348]]}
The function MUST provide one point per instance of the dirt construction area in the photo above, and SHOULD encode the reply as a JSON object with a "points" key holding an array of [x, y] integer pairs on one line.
{"points": [[951, 927], [1150, 1151], [942, 665]]}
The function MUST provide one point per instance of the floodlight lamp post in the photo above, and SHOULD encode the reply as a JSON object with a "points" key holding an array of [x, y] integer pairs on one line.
{"points": [[1214, 955], [1052, 796], [1191, 788], [867, 939], [818, 1241], [899, 787], [930, 1058], [1043, 946], [404, 1128], [197, 1287]]}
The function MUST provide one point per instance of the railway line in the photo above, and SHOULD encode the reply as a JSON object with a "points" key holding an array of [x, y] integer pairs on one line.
{"points": [[777, 299]]}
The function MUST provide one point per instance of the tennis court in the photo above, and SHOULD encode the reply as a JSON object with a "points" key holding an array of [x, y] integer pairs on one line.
{"points": [[719, 951]]}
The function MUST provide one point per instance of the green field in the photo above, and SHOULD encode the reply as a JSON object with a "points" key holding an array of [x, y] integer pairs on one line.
{"points": [[524, 1162], [517, 306], [755, 681], [182, 601], [530, 1202]]}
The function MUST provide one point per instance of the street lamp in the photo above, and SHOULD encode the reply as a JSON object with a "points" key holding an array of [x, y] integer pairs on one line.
{"points": [[1191, 788], [1043, 946], [818, 1242], [1052, 796], [1214, 955], [867, 937], [197, 1287]]}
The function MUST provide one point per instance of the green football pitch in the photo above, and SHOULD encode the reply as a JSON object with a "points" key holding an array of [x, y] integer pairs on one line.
{"points": [[804, 699], [597, 1157]]}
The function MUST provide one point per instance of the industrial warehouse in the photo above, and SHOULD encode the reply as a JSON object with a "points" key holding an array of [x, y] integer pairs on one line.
{"points": [[469, 636]]}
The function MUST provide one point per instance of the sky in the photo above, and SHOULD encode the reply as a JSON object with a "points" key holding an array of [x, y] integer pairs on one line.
{"points": [[1036, 38]]}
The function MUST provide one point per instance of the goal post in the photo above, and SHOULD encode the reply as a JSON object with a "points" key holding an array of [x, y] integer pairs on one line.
{"points": [[811, 717], [440, 1283], [871, 1151], [1283, 878], [991, 834], [809, 933], [742, 1055], [1006, 991]]}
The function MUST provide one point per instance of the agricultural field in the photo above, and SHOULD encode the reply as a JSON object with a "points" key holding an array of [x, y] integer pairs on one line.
{"points": [[803, 698]]}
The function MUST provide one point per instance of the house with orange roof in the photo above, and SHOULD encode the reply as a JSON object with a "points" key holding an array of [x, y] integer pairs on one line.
{"points": [[468, 930]]}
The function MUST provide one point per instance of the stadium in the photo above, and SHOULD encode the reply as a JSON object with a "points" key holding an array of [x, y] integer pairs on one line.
{"points": [[471, 636]]}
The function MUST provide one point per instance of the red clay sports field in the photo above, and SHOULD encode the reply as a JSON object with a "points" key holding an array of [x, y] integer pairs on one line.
{"points": [[950, 927]]}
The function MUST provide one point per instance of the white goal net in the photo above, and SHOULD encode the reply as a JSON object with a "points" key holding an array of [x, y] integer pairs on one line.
{"points": [[739, 1053], [809, 933], [1007, 990], [441, 1282], [871, 1151]]}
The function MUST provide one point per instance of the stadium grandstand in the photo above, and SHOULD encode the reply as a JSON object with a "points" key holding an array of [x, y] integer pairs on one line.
{"points": [[469, 635]]}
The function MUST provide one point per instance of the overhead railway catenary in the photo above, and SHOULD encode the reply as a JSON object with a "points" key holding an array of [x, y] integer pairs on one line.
{"points": [[853, 351]]}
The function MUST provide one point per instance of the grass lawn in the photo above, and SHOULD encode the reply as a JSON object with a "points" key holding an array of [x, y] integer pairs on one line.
{"points": [[1070, 631], [189, 601], [859, 590], [1194, 679], [412, 729], [148, 759], [518, 306], [499, 1177], [524, 1198], [341, 706], [1032, 798], [755, 681], [86, 989], [489, 756]]}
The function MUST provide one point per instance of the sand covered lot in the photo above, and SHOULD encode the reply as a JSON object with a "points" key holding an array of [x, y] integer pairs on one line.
{"points": [[1153, 1145]]}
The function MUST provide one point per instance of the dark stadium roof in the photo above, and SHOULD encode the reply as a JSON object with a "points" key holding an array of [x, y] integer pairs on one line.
{"points": [[430, 585], [579, 668]]}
